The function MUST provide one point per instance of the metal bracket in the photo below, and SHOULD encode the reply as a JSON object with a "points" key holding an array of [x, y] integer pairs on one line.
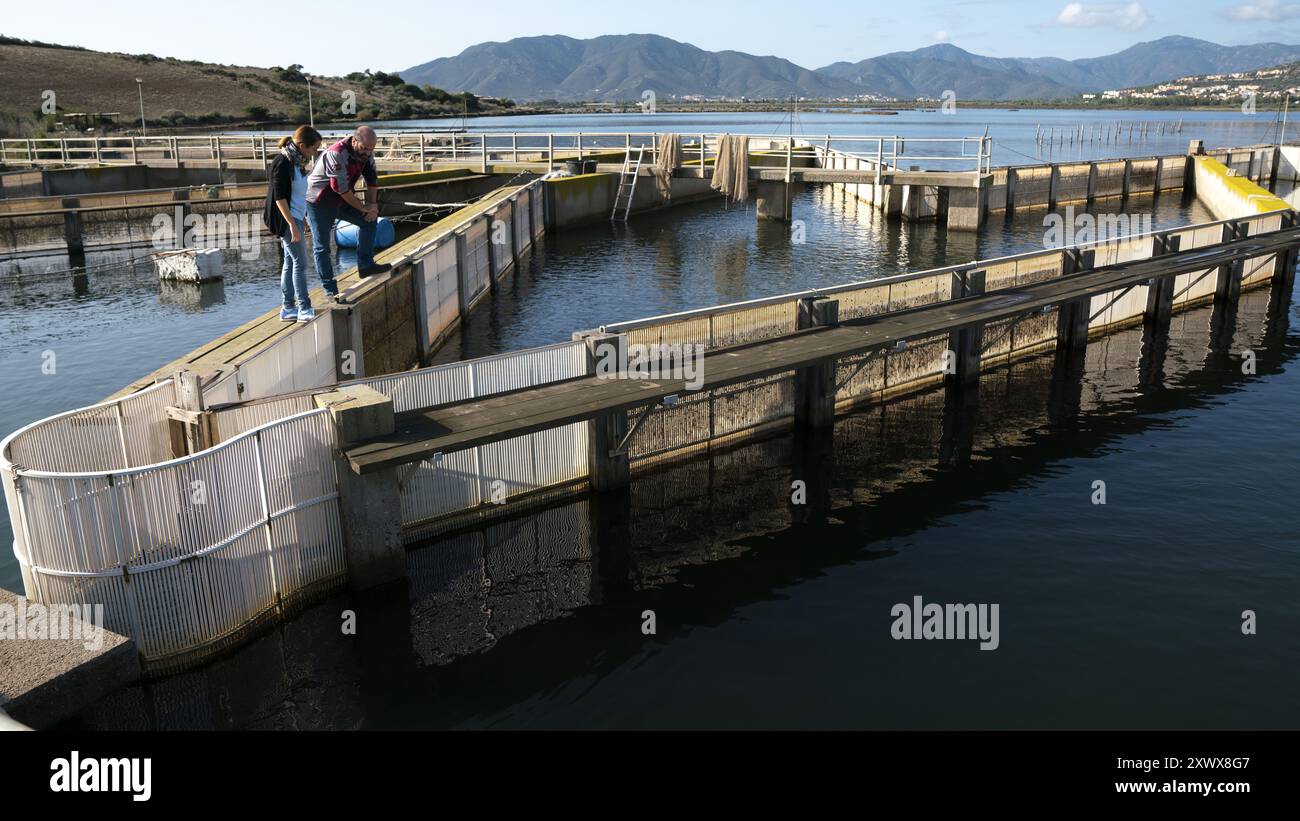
{"points": [[1108, 305], [668, 401], [865, 361]]}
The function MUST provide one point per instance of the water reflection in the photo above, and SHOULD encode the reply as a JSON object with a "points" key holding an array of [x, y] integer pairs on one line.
{"points": [[766, 610]]}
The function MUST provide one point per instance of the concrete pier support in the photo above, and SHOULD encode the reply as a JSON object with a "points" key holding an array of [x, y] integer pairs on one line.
{"points": [[965, 343], [966, 208], [371, 504], [608, 467], [1072, 319], [773, 200], [1228, 286], [1160, 292], [814, 386], [890, 200], [72, 232], [920, 202]]}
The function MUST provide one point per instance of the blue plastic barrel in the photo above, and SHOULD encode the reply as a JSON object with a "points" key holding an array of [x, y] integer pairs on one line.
{"points": [[345, 233]]}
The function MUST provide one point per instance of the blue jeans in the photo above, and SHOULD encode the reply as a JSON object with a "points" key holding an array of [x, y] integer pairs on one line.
{"points": [[321, 218], [293, 276]]}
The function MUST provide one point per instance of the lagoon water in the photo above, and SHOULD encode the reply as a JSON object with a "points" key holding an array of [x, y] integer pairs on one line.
{"points": [[1120, 615]]}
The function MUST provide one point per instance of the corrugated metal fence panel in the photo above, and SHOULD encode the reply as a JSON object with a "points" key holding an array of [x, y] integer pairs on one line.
{"points": [[206, 550], [1260, 269], [302, 360], [222, 391], [520, 220], [145, 426], [502, 238], [307, 540], [237, 419], [736, 327], [867, 301], [539, 211], [1110, 179], [1119, 306], [920, 291], [1142, 176], [465, 479], [474, 261], [424, 388], [111, 436]]}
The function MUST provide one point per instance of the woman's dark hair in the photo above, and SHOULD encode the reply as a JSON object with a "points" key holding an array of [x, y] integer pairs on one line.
{"points": [[305, 135]]}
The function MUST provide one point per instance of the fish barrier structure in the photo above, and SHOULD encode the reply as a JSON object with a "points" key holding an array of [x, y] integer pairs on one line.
{"points": [[190, 554]]}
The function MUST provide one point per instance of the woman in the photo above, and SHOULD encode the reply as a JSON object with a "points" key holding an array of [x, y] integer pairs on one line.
{"points": [[286, 208]]}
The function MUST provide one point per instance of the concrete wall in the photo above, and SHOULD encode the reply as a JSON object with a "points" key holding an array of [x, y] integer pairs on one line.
{"points": [[1228, 195], [586, 199], [1288, 164]]}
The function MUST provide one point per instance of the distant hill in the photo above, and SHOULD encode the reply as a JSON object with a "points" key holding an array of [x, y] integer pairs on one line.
{"points": [[185, 92], [621, 67], [928, 72]]}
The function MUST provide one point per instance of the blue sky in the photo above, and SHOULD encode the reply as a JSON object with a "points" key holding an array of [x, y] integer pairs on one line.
{"points": [[397, 34]]}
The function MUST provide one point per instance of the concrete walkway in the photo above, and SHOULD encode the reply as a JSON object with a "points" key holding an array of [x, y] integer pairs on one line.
{"points": [[47, 680]]}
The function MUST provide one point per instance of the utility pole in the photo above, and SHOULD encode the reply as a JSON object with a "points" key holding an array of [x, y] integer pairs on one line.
{"points": [[139, 87], [311, 112], [1281, 137]]}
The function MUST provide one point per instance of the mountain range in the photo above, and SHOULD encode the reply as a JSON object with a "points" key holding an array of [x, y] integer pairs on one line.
{"points": [[621, 67]]}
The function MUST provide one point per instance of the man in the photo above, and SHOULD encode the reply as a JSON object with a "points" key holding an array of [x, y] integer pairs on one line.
{"points": [[331, 196]]}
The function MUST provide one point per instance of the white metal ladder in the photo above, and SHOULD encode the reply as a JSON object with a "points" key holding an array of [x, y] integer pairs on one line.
{"points": [[627, 184]]}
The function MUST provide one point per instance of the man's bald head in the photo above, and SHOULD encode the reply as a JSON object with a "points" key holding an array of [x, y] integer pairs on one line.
{"points": [[365, 136]]}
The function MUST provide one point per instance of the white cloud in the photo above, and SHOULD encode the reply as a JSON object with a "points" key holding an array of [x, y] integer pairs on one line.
{"points": [[942, 36], [1129, 17], [1271, 10]]}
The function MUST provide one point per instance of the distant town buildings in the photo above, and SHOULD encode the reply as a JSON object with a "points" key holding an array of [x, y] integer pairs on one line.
{"points": [[1230, 87]]}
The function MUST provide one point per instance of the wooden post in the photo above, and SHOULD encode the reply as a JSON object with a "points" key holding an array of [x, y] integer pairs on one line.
{"points": [[814, 386], [1053, 176], [789, 158], [421, 151], [964, 343], [1012, 177], [176, 153], [1160, 173], [1072, 316], [1160, 291], [607, 463], [484, 139], [1228, 286], [514, 147], [72, 233], [550, 151], [703, 156], [1091, 193], [371, 504]]}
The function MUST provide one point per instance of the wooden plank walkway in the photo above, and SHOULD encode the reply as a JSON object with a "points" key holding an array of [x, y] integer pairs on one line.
{"points": [[458, 426]]}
